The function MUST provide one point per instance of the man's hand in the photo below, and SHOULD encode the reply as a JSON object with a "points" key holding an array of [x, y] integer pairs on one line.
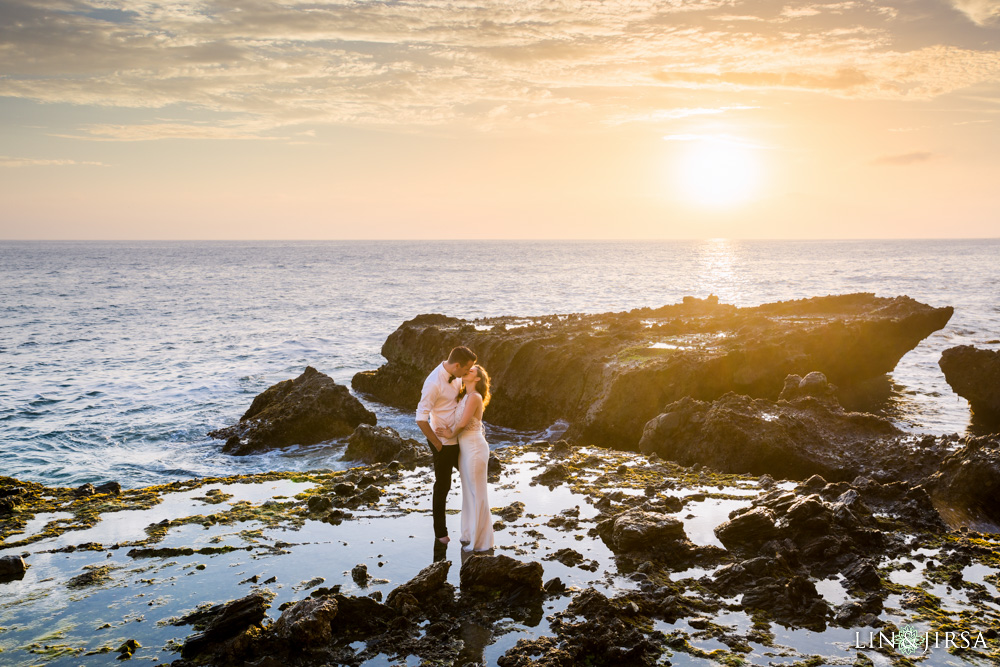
{"points": [[432, 437]]}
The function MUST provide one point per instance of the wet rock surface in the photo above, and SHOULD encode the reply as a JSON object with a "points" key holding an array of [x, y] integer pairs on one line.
{"points": [[968, 483], [974, 374], [618, 370], [806, 432], [381, 444], [303, 411]]}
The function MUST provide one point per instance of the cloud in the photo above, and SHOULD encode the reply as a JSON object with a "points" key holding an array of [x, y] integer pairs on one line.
{"points": [[6, 161], [158, 131], [266, 67], [980, 12], [843, 79], [903, 159], [661, 115]]}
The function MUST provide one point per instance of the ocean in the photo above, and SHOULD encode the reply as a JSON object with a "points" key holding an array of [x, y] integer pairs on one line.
{"points": [[116, 358]]}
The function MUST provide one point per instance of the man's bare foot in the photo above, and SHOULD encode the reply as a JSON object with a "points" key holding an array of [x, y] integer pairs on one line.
{"points": [[444, 540]]}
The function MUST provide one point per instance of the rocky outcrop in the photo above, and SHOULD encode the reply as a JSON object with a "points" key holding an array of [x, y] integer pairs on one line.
{"points": [[304, 411], [307, 622], [793, 439], [967, 487], [616, 371], [785, 539], [381, 444], [974, 374], [501, 575], [408, 599], [223, 622]]}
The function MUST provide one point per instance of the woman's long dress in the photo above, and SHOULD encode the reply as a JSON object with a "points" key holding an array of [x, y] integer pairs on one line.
{"points": [[474, 456]]}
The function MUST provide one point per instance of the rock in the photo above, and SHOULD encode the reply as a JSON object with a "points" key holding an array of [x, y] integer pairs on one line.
{"points": [[381, 444], [608, 634], [307, 622], [795, 597], [304, 411], [84, 490], [128, 648], [512, 512], [746, 532], [974, 374], [792, 440], [493, 466], [967, 488], [344, 488], [635, 530], [612, 382], [555, 586], [361, 615], [11, 568], [360, 574], [501, 575], [370, 495], [225, 621], [113, 488], [428, 582], [319, 504], [554, 475]]}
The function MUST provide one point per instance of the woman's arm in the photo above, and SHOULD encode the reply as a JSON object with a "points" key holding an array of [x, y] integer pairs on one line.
{"points": [[471, 408]]}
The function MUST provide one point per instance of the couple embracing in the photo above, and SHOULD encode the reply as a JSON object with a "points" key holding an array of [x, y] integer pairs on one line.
{"points": [[450, 414]]}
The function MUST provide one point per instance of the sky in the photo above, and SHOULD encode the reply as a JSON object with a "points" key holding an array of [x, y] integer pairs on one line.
{"points": [[243, 119]]}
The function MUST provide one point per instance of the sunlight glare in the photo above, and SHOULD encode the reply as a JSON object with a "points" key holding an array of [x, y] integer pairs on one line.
{"points": [[718, 173]]}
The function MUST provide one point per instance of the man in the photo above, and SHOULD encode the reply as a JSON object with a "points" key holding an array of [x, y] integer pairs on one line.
{"points": [[437, 408]]}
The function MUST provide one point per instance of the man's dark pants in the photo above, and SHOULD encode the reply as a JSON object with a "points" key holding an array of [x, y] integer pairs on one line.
{"points": [[444, 462]]}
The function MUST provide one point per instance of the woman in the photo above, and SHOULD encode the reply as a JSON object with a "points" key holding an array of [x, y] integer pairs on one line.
{"points": [[474, 455]]}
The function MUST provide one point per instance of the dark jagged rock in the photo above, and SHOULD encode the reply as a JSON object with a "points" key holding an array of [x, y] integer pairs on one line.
{"points": [[84, 490], [612, 381], [974, 374], [304, 411], [11, 568], [792, 439], [407, 598], [637, 533], [493, 466], [223, 622], [608, 634], [967, 487], [501, 575], [554, 475], [786, 539], [381, 444], [307, 622]]}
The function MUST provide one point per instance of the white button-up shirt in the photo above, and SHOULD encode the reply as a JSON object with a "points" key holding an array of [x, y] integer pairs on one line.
{"points": [[437, 401]]}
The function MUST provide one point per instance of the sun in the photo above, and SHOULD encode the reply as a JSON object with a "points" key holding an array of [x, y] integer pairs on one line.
{"points": [[718, 173]]}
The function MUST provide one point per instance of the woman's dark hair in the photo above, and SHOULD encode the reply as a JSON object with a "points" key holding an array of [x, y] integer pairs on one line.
{"points": [[461, 355], [482, 386]]}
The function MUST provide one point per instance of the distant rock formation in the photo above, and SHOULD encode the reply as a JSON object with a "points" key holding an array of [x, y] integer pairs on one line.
{"points": [[309, 409], [609, 374], [974, 374]]}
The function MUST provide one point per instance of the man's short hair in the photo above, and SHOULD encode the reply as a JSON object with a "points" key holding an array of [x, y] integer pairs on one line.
{"points": [[461, 355]]}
